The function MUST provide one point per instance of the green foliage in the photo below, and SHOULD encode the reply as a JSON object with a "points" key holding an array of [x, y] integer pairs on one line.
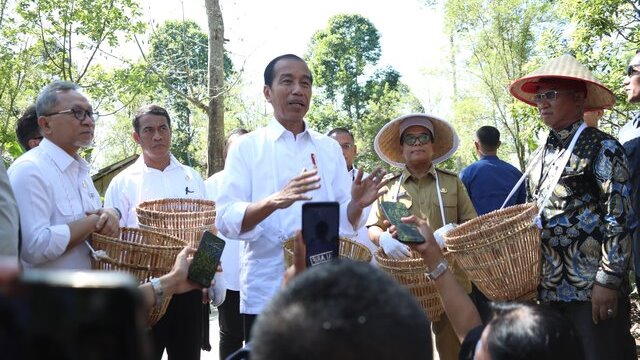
{"points": [[338, 56], [500, 37]]}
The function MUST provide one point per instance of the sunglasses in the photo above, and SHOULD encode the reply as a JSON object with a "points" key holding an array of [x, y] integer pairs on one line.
{"points": [[631, 71], [549, 95], [411, 139]]}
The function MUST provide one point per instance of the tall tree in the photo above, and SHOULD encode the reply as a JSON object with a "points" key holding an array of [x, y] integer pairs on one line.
{"points": [[215, 111], [338, 57], [500, 38]]}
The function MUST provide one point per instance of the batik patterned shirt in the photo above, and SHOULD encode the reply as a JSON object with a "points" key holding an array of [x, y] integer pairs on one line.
{"points": [[585, 233]]}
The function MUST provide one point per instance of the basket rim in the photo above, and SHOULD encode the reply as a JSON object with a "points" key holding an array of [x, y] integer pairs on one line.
{"points": [[119, 240], [460, 242]]}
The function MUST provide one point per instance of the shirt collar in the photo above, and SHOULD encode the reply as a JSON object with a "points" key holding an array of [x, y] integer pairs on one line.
{"points": [[275, 130], [407, 175], [173, 162], [60, 157], [567, 132]]}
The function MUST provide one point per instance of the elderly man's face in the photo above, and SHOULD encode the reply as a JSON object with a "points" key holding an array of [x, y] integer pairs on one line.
{"points": [[563, 109], [290, 91], [63, 126], [632, 80], [419, 153]]}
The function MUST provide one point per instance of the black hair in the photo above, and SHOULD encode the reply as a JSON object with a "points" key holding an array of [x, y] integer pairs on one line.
{"points": [[27, 127], [489, 137], [268, 71], [532, 332], [341, 130], [342, 310], [149, 109]]}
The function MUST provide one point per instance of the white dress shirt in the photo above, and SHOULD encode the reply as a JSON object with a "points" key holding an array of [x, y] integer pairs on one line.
{"points": [[138, 183], [52, 189], [260, 164], [231, 254]]}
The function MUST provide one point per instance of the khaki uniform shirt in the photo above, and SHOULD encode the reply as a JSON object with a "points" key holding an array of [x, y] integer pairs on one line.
{"points": [[420, 197]]}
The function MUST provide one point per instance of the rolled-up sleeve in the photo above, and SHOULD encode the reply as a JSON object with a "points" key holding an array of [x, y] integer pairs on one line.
{"points": [[41, 241], [235, 197]]}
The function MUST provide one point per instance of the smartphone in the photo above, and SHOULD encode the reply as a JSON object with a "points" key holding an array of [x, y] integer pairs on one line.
{"points": [[206, 260], [73, 315], [394, 211], [320, 227]]}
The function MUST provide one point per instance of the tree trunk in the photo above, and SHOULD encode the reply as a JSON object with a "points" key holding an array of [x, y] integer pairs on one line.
{"points": [[215, 138]]}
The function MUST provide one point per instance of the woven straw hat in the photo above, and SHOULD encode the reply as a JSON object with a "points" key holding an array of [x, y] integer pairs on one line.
{"points": [[565, 67], [387, 141]]}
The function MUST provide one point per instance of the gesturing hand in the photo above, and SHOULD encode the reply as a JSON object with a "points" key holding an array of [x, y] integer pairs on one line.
{"points": [[365, 191], [296, 189]]}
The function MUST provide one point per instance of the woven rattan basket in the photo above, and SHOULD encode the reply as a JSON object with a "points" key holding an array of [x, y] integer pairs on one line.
{"points": [[348, 249], [500, 252], [185, 219], [412, 274], [144, 254]]}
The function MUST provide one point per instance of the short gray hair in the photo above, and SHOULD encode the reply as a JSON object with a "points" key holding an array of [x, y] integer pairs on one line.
{"points": [[48, 97]]}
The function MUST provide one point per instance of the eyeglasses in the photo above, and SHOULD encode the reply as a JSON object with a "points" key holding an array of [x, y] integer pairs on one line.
{"points": [[346, 146], [549, 95], [79, 114], [631, 71], [411, 139]]}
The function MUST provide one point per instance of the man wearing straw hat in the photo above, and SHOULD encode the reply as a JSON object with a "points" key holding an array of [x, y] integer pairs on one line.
{"points": [[271, 171], [629, 137], [157, 174], [58, 205], [416, 143], [581, 184]]}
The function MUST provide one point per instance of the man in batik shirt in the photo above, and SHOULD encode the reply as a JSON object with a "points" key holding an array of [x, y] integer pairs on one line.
{"points": [[586, 239]]}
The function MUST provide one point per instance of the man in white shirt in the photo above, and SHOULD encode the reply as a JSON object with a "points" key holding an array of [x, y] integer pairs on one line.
{"points": [[347, 142], [59, 206], [158, 175], [229, 319], [271, 171]]}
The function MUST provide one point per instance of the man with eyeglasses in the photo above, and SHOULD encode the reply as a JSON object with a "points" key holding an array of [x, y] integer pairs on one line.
{"points": [[629, 137], [415, 143], [580, 182], [347, 142], [59, 206]]}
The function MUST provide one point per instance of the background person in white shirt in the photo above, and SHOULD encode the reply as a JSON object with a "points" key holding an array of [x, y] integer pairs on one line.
{"points": [[229, 319], [158, 175], [271, 171], [347, 142], [59, 206]]}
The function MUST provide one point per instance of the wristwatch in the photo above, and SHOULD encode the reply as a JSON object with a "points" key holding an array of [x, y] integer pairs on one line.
{"points": [[157, 289], [442, 266]]}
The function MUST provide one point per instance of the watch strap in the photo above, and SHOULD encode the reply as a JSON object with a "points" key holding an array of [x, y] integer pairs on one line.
{"points": [[442, 266]]}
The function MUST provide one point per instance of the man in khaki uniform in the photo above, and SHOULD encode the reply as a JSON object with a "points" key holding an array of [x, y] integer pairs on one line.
{"points": [[416, 143]]}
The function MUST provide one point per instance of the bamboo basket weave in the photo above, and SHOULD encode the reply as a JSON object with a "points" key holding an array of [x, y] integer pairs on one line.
{"points": [[141, 253], [501, 252], [348, 249], [185, 219], [412, 274]]}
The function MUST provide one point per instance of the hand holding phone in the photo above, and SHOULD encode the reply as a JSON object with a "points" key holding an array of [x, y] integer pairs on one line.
{"points": [[320, 228], [206, 260]]}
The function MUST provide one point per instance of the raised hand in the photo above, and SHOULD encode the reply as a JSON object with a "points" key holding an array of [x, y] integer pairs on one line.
{"points": [[296, 189], [365, 191]]}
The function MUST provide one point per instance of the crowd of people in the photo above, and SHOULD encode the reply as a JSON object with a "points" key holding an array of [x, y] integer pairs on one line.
{"points": [[584, 181]]}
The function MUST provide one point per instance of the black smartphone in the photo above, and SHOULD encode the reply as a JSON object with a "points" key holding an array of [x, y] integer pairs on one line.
{"points": [[206, 260], [320, 228], [73, 315], [394, 211]]}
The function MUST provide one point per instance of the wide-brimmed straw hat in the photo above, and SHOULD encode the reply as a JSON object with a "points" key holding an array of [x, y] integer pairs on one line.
{"points": [[565, 67], [387, 141]]}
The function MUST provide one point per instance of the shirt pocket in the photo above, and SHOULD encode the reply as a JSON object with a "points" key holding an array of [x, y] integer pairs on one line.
{"points": [[450, 204]]}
